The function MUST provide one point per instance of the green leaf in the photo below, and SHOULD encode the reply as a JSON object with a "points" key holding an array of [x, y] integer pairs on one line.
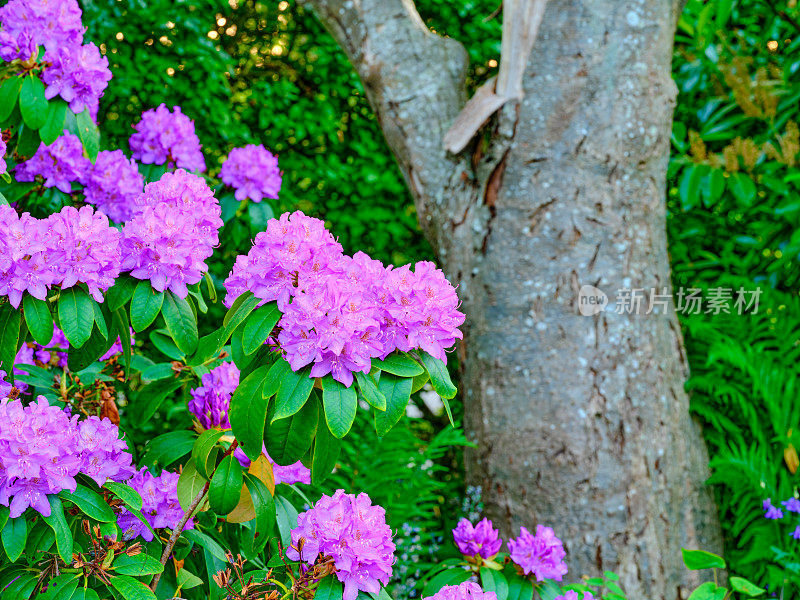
{"points": [[181, 322], [260, 213], [203, 451], [91, 504], [129, 496], [330, 588], [145, 305], [326, 452], [397, 392], [138, 565], [399, 364], [290, 438], [89, 134], [494, 581], [286, 518], [19, 588], [10, 321], [708, 591], [440, 377], [279, 369], [187, 580], [9, 92], [226, 486], [258, 326], [369, 391], [14, 536], [744, 586], [743, 188], [59, 525], [4, 514], [206, 542], [121, 292], [447, 577], [340, 404], [56, 121], [38, 319], [700, 559], [248, 412], [151, 396], [167, 448], [520, 588], [76, 316], [32, 103], [60, 588], [190, 483], [264, 506], [131, 589], [293, 391], [80, 358], [240, 309], [163, 342]]}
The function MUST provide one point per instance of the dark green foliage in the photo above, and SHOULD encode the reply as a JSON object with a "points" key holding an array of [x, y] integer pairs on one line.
{"points": [[733, 222]]}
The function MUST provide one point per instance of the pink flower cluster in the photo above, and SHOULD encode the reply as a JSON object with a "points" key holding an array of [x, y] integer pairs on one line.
{"points": [[43, 448], [160, 505], [167, 137], [468, 590], [173, 230], [69, 247], [60, 163], [541, 555], [340, 312], [79, 74], [48, 23], [112, 184], [75, 71], [252, 171], [354, 533]]}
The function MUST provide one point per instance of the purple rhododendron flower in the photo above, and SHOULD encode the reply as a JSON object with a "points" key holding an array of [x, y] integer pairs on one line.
{"points": [[43, 448], [796, 533], [541, 555], [60, 163], [25, 264], [173, 230], [47, 23], [289, 474], [167, 137], [252, 171], [482, 539], [79, 74], [212, 400], [112, 184], [468, 590], [104, 455], [84, 248], [160, 505], [116, 347], [340, 312], [354, 533], [792, 505], [771, 512]]}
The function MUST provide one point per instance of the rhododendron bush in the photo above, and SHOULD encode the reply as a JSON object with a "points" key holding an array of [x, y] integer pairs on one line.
{"points": [[106, 309]]}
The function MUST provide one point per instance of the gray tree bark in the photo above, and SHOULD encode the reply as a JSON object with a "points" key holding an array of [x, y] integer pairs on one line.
{"points": [[582, 422]]}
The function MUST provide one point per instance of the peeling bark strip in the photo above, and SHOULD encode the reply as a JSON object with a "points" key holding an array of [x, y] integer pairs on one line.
{"points": [[582, 422]]}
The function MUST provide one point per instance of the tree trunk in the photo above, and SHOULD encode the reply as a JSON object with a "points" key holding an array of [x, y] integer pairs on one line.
{"points": [[581, 421]]}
